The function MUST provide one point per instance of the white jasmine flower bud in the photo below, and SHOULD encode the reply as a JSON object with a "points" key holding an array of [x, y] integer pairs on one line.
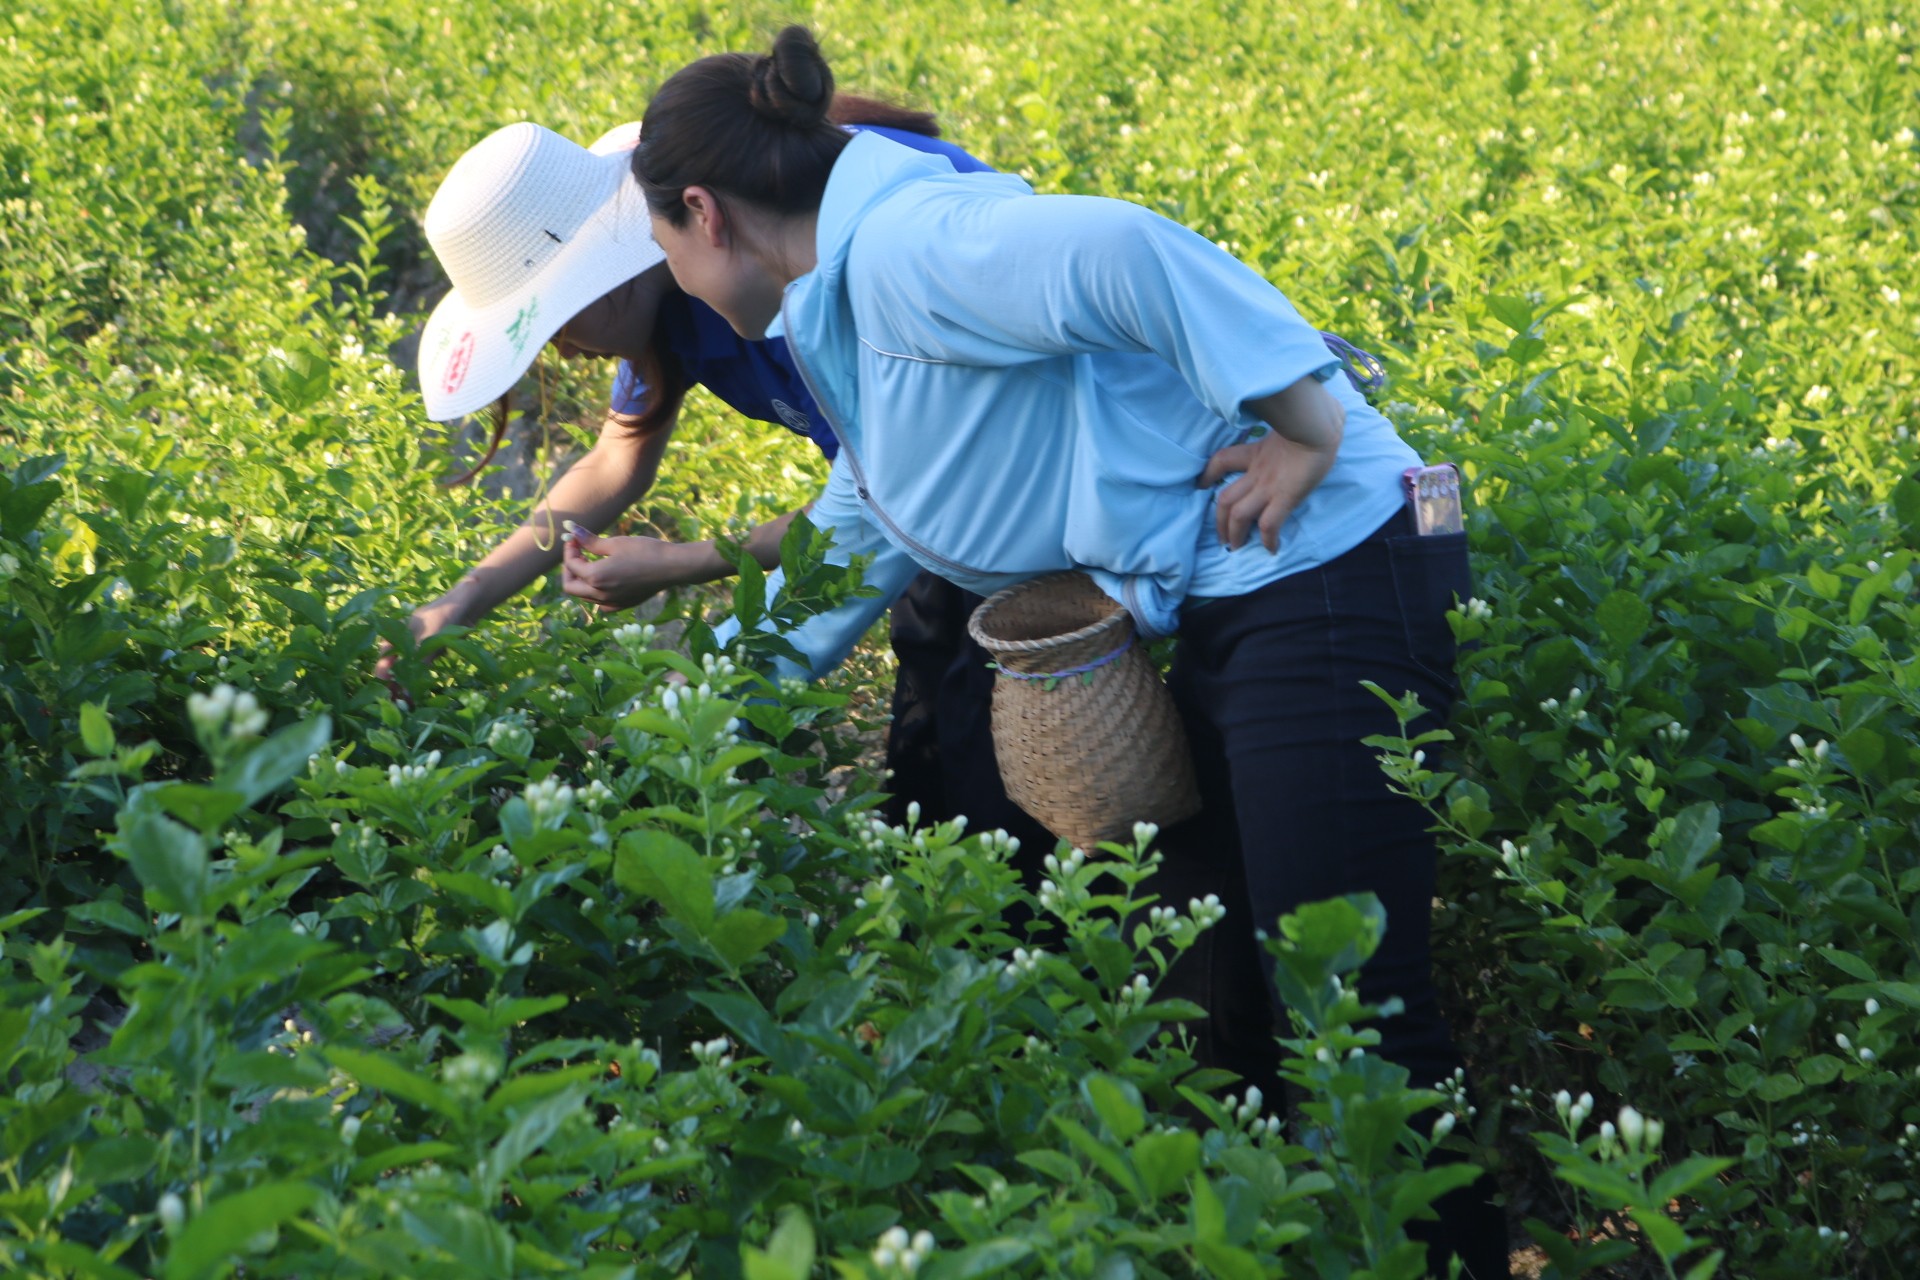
{"points": [[173, 1212], [1633, 1126]]}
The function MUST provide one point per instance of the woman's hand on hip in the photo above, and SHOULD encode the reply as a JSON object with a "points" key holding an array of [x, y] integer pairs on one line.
{"points": [[1280, 468], [626, 571]]}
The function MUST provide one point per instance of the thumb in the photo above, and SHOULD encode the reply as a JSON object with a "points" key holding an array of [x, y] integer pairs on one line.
{"points": [[583, 538]]}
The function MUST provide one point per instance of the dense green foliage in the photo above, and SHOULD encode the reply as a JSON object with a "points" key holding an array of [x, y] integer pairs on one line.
{"points": [[559, 971]]}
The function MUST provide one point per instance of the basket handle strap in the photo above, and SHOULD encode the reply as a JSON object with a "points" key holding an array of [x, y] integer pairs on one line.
{"points": [[1082, 669]]}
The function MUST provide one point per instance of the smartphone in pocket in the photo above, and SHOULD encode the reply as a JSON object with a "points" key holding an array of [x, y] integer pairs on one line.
{"points": [[1433, 496]]}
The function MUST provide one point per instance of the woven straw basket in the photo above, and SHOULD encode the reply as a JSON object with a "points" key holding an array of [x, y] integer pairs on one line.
{"points": [[1087, 736]]}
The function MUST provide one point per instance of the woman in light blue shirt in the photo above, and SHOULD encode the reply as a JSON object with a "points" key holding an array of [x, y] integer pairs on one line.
{"points": [[1022, 384]]}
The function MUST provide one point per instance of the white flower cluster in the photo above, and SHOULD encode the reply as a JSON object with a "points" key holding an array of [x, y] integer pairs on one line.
{"points": [[1477, 609], [792, 686], [1136, 993], [718, 666], [897, 1250], [873, 834], [509, 736], [874, 892], [1573, 1112], [1512, 855], [681, 701], [1575, 705], [714, 1053], [239, 713], [1810, 757], [596, 794], [549, 802], [475, 1070], [399, 776], [1673, 733], [1207, 911], [1000, 843], [1024, 961], [1248, 1112], [1863, 1053], [635, 636], [1052, 896]]}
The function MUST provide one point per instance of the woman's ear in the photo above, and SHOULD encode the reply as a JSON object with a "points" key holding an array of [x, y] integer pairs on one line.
{"points": [[708, 216]]}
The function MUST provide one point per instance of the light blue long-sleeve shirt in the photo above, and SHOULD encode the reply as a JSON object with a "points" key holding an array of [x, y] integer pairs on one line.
{"points": [[1027, 383]]}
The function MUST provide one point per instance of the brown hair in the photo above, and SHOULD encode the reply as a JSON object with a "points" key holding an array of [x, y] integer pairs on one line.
{"points": [[712, 116], [753, 127]]}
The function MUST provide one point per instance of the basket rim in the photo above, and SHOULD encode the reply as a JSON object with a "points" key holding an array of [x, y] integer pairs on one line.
{"points": [[992, 644]]}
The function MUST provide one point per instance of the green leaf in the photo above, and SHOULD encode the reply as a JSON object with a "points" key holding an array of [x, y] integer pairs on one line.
{"points": [[1694, 835], [1417, 1191], [1051, 1163], [1166, 1160], [528, 1133], [1105, 1158], [741, 935], [1117, 1103], [1662, 1232], [1623, 618], [747, 1019], [983, 1259], [205, 809], [1515, 313], [666, 869], [269, 766], [382, 1072], [1823, 582], [96, 730], [789, 1251], [914, 1035], [1687, 1177], [296, 377], [1848, 963], [169, 860], [226, 1226], [1229, 1262]]}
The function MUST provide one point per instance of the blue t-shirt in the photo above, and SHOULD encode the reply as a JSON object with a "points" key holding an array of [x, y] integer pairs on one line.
{"points": [[757, 379]]}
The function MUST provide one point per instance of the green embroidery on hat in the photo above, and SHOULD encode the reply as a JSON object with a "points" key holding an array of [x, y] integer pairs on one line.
{"points": [[522, 325]]}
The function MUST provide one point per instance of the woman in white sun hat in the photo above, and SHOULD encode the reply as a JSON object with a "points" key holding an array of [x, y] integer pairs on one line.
{"points": [[547, 243]]}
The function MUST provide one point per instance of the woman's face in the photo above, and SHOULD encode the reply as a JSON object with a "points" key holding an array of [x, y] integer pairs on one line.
{"points": [[713, 262], [617, 324]]}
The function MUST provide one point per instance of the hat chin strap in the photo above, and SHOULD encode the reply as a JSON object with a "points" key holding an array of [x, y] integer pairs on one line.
{"points": [[502, 416]]}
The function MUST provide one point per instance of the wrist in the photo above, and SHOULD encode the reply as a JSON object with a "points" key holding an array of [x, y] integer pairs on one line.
{"points": [[697, 562], [461, 604]]}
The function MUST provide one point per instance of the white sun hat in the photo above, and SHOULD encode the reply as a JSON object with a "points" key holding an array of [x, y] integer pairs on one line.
{"points": [[531, 228]]}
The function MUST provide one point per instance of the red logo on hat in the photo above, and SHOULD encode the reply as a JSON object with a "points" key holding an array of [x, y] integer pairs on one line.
{"points": [[458, 363]]}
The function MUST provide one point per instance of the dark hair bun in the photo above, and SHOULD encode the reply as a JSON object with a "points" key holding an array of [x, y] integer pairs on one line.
{"points": [[793, 84]]}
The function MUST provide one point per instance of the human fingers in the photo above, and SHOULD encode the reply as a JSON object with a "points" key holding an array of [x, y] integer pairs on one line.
{"points": [[1235, 511], [579, 584], [1224, 462]]}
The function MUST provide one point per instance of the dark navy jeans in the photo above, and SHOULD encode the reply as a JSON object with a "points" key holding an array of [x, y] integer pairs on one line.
{"points": [[1296, 809]]}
